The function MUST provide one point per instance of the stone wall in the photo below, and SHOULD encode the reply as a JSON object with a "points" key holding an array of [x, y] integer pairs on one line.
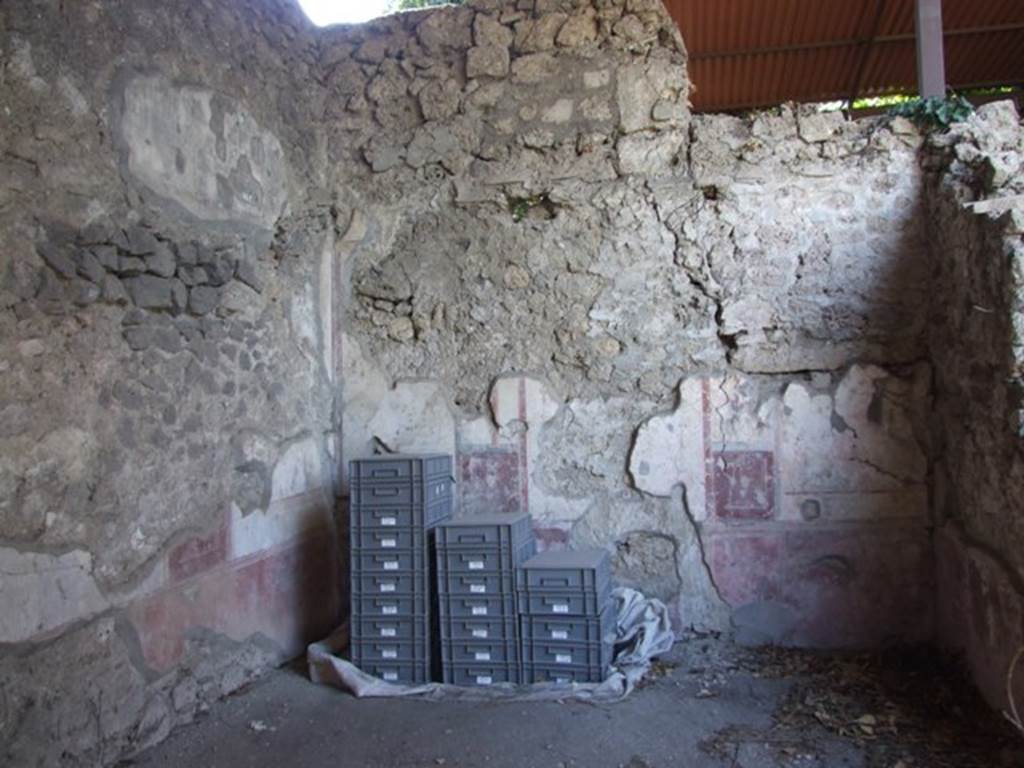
{"points": [[167, 388], [697, 341], [239, 252], [978, 350]]}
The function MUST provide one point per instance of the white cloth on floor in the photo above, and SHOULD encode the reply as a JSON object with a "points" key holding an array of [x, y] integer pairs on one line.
{"points": [[643, 631]]}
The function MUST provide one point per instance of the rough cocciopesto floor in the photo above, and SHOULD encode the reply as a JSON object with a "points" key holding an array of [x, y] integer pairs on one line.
{"points": [[711, 705]]}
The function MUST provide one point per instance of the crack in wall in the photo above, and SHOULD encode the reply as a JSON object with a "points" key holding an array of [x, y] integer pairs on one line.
{"points": [[699, 538]]}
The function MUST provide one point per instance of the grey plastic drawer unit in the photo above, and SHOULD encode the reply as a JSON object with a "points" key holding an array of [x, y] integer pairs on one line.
{"points": [[563, 603], [558, 653], [401, 494], [398, 672], [588, 569], [468, 651], [470, 560], [390, 583], [478, 629], [486, 531], [382, 606], [481, 674], [400, 466], [561, 674], [387, 538], [572, 629], [390, 650], [390, 560], [473, 607], [485, 583], [574, 583], [401, 628], [405, 516]]}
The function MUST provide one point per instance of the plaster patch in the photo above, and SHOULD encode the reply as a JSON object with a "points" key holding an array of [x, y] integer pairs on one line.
{"points": [[669, 450], [203, 151], [41, 592]]}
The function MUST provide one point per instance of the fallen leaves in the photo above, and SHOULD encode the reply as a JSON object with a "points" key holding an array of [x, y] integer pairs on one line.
{"points": [[903, 708]]}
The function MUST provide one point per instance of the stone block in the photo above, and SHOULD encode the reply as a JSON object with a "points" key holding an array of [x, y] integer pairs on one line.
{"points": [[817, 127], [90, 267], [579, 30], [161, 261], [248, 273], [533, 35], [439, 100], [107, 256], [141, 242], [192, 275], [487, 61], [534, 68], [84, 293], [203, 299], [150, 292], [560, 112], [487, 31], [650, 153], [640, 88], [58, 259]]}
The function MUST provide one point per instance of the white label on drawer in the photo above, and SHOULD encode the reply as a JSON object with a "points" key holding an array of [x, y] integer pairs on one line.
{"points": [[563, 658], [560, 608], [559, 634], [476, 565], [389, 543], [479, 610], [481, 633], [482, 656], [389, 521], [478, 589], [387, 586], [389, 610], [391, 676], [390, 565], [388, 632], [389, 653], [483, 679], [561, 680]]}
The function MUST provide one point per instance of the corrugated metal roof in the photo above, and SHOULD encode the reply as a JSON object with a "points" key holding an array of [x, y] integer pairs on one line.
{"points": [[755, 53]]}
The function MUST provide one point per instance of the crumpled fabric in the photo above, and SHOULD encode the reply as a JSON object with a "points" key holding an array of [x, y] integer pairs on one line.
{"points": [[643, 632]]}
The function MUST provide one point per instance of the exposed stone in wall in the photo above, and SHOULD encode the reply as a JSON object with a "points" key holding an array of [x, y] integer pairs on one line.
{"points": [[560, 219], [978, 246], [166, 407], [243, 252]]}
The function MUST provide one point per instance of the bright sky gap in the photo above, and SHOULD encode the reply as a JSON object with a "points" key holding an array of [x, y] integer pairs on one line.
{"points": [[324, 12]]}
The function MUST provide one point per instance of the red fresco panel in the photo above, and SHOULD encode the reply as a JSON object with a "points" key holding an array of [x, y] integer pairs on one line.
{"points": [[744, 485]]}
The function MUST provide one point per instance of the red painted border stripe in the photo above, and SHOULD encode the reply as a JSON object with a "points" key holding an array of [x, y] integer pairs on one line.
{"points": [[524, 476]]}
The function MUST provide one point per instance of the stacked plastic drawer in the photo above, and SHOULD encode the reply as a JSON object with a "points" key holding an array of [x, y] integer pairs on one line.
{"points": [[477, 559], [567, 618], [396, 503]]}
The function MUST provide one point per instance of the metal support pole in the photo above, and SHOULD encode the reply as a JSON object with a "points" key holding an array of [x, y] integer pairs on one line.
{"points": [[931, 65]]}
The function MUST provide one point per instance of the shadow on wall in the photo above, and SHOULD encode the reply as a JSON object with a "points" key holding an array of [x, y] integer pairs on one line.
{"points": [[976, 344]]}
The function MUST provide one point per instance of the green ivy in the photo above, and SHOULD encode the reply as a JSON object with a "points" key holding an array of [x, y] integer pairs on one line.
{"points": [[935, 112], [520, 207]]}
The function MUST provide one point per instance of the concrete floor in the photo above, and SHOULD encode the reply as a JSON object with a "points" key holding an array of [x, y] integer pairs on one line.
{"points": [[712, 706]]}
